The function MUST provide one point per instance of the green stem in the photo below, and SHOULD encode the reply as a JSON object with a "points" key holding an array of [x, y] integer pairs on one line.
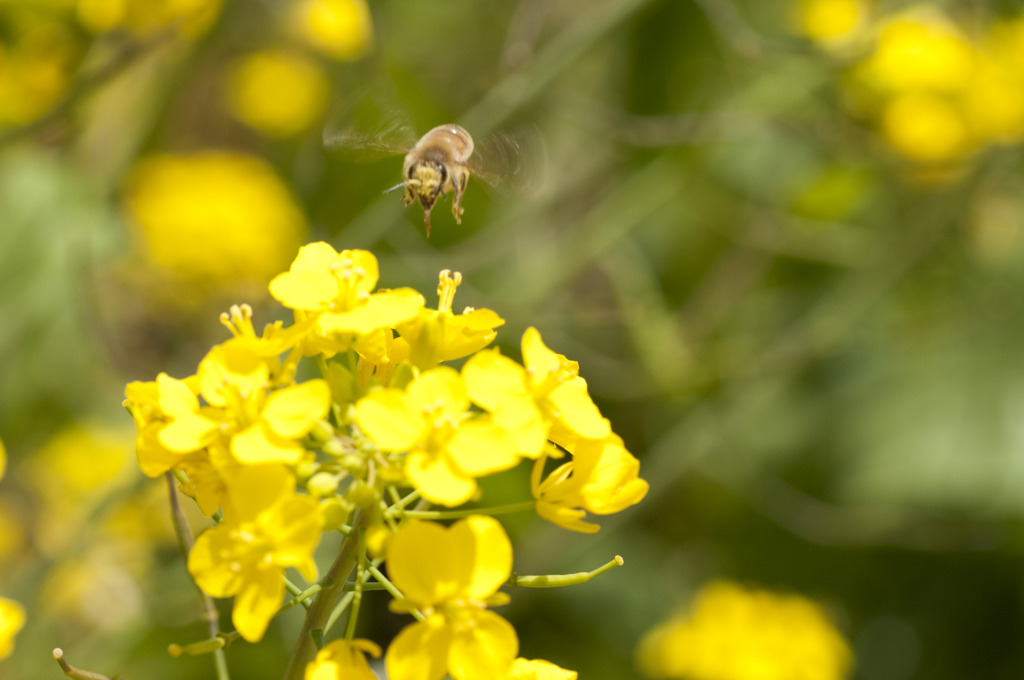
{"points": [[559, 580], [357, 593], [318, 614], [456, 514], [395, 592]]}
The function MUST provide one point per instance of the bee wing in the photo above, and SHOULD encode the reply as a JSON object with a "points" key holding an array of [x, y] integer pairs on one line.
{"points": [[511, 162], [365, 132]]}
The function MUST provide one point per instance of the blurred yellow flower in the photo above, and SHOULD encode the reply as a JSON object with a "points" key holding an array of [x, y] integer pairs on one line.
{"points": [[12, 618], [72, 474], [143, 18], [210, 219], [342, 29], [735, 633], [926, 128], [277, 92], [830, 22], [101, 588], [37, 57], [939, 95], [921, 48]]}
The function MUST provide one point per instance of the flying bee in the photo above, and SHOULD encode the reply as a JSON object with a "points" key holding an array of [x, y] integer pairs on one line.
{"points": [[439, 163]]}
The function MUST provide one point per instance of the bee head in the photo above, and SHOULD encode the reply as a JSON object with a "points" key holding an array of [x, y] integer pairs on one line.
{"points": [[425, 182]]}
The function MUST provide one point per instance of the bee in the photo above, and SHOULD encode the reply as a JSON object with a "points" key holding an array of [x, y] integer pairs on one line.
{"points": [[439, 163]]}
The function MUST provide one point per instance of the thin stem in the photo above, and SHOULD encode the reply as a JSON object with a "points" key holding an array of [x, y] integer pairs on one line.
{"points": [[456, 514], [395, 592], [357, 593], [301, 596], [185, 542], [333, 585]]}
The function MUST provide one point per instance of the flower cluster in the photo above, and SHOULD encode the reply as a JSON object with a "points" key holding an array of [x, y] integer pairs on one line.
{"points": [[937, 92], [736, 633], [384, 431]]}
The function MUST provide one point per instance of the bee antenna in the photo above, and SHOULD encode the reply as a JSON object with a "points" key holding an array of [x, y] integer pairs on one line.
{"points": [[397, 186]]}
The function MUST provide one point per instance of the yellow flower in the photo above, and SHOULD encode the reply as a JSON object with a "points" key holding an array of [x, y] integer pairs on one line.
{"points": [[926, 128], [451, 574], [546, 399], [144, 18], [436, 336], [263, 425], [448, 447], [268, 529], [343, 660], [74, 472], [277, 92], [12, 618], [38, 56], [341, 29], [602, 478], [336, 290], [211, 219], [733, 633], [921, 49], [831, 22], [539, 669]]}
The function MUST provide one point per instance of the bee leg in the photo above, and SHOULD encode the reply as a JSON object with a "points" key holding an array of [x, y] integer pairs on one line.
{"points": [[457, 189]]}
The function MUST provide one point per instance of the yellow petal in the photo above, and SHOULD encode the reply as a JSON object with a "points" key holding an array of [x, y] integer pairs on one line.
{"points": [[422, 562], [481, 448], [343, 660], [294, 527], [525, 424], [611, 476], [188, 432], [484, 548], [577, 411], [175, 396], [12, 618], [292, 411], [483, 650], [536, 355], [387, 418], [539, 669], [439, 388], [257, 603], [209, 562], [314, 257], [492, 378], [259, 444], [438, 480], [231, 368], [382, 310], [255, 488], [419, 652], [304, 290]]}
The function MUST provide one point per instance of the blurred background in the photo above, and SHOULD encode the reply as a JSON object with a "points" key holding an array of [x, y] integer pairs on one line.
{"points": [[782, 238]]}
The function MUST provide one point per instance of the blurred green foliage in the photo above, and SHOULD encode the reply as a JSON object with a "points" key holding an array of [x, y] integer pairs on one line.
{"points": [[809, 342]]}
